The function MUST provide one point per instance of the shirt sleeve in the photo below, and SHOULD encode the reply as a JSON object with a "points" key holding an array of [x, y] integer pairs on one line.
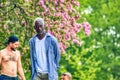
{"points": [[32, 61], [57, 53]]}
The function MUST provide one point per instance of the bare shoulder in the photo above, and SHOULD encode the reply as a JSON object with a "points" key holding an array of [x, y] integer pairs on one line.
{"points": [[2, 52], [17, 52]]}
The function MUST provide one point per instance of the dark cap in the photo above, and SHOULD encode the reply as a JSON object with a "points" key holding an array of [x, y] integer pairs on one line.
{"points": [[12, 38]]}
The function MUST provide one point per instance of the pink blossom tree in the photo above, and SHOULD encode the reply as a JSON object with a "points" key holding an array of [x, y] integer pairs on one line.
{"points": [[61, 20]]}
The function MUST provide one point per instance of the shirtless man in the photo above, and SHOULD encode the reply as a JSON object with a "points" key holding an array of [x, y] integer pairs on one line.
{"points": [[10, 61]]}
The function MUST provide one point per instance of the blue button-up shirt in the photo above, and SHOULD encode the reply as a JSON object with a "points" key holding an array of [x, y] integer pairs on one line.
{"points": [[53, 56]]}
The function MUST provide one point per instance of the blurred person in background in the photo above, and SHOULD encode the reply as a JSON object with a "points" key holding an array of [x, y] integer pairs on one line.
{"points": [[66, 76]]}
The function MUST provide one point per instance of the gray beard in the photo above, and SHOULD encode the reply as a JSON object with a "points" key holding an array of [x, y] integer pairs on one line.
{"points": [[40, 33]]}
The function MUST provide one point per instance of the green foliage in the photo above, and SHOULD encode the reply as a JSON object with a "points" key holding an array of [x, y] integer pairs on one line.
{"points": [[99, 56], [104, 18], [81, 62]]}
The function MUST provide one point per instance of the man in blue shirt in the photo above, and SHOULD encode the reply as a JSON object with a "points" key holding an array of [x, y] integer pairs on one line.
{"points": [[45, 53]]}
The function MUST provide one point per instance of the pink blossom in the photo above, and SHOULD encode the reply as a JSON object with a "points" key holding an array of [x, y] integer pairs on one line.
{"points": [[61, 25], [47, 9], [61, 4], [52, 32], [74, 24], [61, 1], [60, 43], [41, 2], [61, 20], [25, 0], [57, 14], [59, 37], [79, 26], [76, 3], [53, 9], [87, 27], [76, 29], [73, 34], [48, 25], [67, 37], [56, 2], [66, 16], [58, 29], [38, 13], [73, 19], [43, 13], [67, 30], [87, 32], [50, 0], [44, 6], [64, 47], [49, 31], [69, 7], [76, 41]]}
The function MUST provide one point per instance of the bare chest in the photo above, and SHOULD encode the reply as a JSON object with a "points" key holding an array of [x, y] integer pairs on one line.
{"points": [[10, 57]]}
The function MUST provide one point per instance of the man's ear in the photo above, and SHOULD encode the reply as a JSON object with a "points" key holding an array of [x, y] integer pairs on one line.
{"points": [[10, 44]]}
